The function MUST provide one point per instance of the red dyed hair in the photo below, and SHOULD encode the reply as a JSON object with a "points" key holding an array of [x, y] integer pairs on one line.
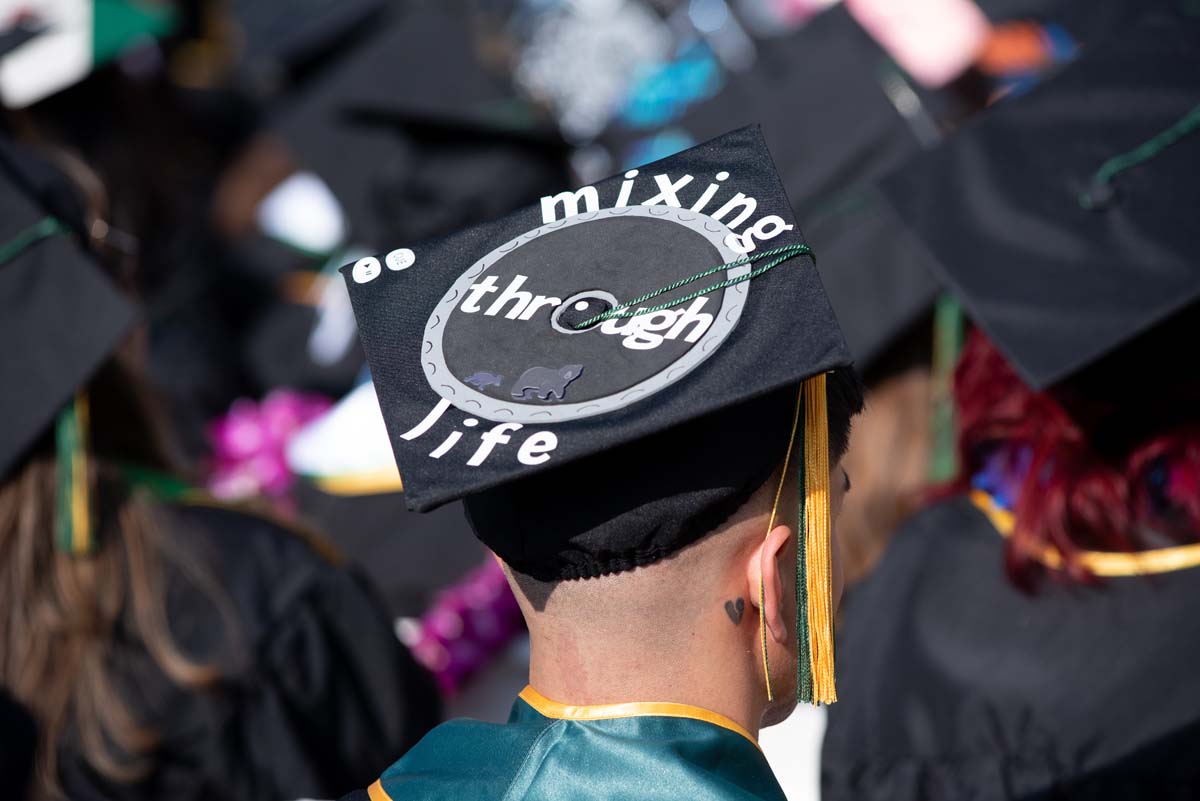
{"points": [[1072, 496]]}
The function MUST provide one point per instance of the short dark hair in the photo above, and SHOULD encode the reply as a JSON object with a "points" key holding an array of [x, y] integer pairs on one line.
{"points": [[843, 399]]}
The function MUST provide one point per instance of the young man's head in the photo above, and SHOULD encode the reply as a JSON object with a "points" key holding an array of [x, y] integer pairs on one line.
{"points": [[652, 455], [693, 617]]}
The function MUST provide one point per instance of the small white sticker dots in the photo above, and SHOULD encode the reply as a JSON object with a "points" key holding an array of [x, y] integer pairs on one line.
{"points": [[400, 259], [366, 269]]}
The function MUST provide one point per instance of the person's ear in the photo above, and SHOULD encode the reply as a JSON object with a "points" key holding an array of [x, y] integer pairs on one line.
{"points": [[765, 565]]}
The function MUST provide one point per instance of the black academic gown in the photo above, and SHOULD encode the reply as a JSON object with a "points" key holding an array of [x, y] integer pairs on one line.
{"points": [[954, 685], [319, 697], [18, 746]]}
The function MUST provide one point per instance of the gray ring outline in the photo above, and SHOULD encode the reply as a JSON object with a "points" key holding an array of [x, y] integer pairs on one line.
{"points": [[733, 300]]}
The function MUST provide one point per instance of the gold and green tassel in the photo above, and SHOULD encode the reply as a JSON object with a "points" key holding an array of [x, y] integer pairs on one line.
{"points": [[815, 682], [814, 562], [73, 522]]}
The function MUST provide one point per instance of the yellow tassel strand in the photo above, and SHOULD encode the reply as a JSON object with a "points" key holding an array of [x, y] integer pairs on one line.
{"points": [[762, 615], [817, 545], [81, 507], [73, 512]]}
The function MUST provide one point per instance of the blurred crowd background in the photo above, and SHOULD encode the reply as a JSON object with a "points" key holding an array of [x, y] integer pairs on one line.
{"points": [[220, 160]]}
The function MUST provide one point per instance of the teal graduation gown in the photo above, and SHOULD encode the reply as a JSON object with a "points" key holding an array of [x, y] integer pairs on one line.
{"points": [[552, 752]]}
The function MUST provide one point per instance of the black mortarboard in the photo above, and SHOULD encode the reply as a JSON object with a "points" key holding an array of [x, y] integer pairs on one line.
{"points": [[586, 447], [60, 317], [830, 104], [850, 117], [834, 109], [280, 40], [1065, 220], [419, 158], [876, 272]]}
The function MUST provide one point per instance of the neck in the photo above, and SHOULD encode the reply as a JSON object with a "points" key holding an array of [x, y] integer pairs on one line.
{"points": [[708, 662]]}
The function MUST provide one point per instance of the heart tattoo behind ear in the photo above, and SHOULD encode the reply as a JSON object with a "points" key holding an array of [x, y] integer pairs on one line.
{"points": [[735, 610]]}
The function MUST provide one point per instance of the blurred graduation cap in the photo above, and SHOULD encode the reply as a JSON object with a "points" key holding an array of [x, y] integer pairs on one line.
{"points": [[876, 272], [1065, 219], [850, 117], [415, 136], [48, 45], [872, 119], [649, 334], [279, 41], [833, 108], [62, 318]]}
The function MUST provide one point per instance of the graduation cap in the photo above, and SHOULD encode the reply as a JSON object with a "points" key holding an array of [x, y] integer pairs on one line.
{"points": [[1065, 220], [61, 319], [422, 157], [876, 272], [47, 46], [279, 40], [647, 334], [872, 119], [849, 116]]}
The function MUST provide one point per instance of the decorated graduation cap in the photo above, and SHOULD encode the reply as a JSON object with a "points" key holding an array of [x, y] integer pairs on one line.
{"points": [[607, 375], [1065, 220], [61, 318]]}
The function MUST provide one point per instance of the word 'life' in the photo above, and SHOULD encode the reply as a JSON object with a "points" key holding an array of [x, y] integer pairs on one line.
{"points": [[535, 450]]}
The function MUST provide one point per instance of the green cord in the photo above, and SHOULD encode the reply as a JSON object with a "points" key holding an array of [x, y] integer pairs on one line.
{"points": [[786, 252], [160, 485], [43, 228], [947, 344], [1140, 154]]}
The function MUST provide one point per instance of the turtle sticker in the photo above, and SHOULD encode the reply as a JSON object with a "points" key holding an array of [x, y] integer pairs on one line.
{"points": [[482, 380]]}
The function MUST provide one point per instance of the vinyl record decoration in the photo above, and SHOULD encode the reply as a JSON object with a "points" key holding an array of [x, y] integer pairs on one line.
{"points": [[506, 342]]}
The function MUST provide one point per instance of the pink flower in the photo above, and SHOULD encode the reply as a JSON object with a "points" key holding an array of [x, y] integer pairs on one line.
{"points": [[250, 441]]}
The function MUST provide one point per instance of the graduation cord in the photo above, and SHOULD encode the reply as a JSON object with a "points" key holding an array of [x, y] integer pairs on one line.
{"points": [[25, 239], [782, 253], [762, 614], [1099, 192]]}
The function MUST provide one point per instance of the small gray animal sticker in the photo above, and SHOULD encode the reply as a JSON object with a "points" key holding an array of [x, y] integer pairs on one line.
{"points": [[544, 383], [483, 379]]}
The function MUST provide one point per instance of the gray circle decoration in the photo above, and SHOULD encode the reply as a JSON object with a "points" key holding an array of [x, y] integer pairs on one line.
{"points": [[448, 384]]}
